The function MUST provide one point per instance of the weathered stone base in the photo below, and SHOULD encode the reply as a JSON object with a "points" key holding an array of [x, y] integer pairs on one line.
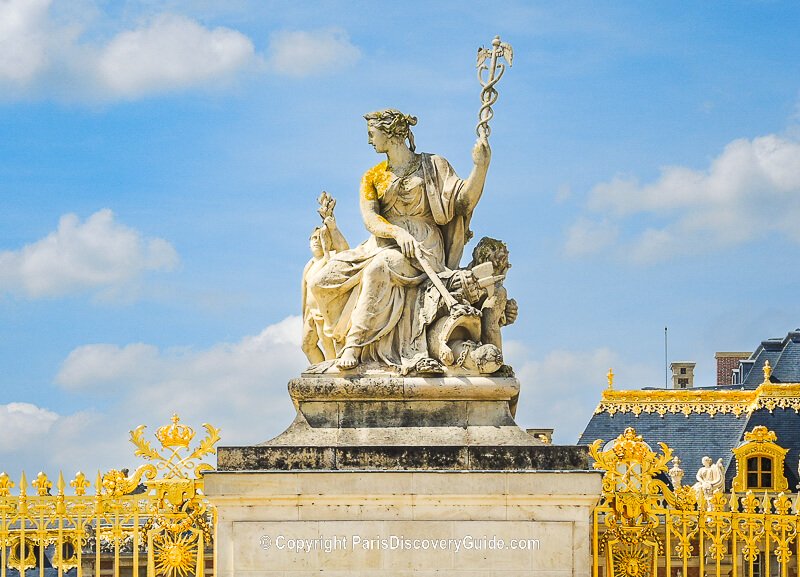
{"points": [[390, 458], [403, 423], [403, 523]]}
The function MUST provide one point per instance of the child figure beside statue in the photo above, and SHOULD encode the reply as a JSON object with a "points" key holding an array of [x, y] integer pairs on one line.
{"points": [[325, 240]]}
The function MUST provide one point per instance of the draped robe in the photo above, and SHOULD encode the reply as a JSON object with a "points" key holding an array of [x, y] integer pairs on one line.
{"points": [[368, 295]]}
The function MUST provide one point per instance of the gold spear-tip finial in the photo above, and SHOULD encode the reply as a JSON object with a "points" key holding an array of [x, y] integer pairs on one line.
{"points": [[767, 371], [610, 377]]}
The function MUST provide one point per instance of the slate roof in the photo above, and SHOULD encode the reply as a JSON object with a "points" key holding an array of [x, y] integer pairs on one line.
{"points": [[699, 434], [691, 438], [782, 353]]}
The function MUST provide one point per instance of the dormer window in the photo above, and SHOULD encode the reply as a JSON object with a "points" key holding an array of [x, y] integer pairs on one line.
{"points": [[759, 462]]}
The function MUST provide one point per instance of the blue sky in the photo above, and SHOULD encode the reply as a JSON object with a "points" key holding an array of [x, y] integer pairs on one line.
{"points": [[160, 163]]}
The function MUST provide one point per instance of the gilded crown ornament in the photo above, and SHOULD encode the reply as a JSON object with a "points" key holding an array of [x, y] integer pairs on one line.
{"points": [[175, 435], [175, 440]]}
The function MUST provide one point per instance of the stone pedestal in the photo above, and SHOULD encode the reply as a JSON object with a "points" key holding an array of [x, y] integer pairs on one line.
{"points": [[403, 523], [403, 476], [401, 423]]}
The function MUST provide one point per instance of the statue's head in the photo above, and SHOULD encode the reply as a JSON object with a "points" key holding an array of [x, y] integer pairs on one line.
{"points": [[493, 251], [315, 241], [390, 123], [707, 461]]}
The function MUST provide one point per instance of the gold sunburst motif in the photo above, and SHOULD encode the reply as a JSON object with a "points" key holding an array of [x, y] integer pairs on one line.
{"points": [[632, 561], [177, 556]]}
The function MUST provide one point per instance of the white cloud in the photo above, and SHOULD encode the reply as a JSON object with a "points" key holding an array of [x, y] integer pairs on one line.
{"points": [[36, 439], [239, 387], [105, 366], [99, 253], [168, 52], [241, 384], [301, 53], [750, 191], [44, 55], [21, 423], [23, 39], [587, 237], [171, 52], [563, 389]]}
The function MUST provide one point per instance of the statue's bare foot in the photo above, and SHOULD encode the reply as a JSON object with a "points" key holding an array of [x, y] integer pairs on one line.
{"points": [[348, 360]]}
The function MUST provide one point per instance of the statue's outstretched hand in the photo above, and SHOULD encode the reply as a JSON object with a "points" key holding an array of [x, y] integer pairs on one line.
{"points": [[481, 153], [326, 205]]}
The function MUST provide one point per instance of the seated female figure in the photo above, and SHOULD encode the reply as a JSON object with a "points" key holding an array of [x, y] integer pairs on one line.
{"points": [[415, 207]]}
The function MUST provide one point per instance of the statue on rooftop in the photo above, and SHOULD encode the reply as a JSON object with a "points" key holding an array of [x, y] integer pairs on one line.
{"points": [[710, 480]]}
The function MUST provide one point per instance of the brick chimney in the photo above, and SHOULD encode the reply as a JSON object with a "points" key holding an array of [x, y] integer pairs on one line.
{"points": [[726, 362]]}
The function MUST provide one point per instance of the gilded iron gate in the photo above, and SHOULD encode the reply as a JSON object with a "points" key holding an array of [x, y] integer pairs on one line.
{"points": [[155, 521], [642, 528]]}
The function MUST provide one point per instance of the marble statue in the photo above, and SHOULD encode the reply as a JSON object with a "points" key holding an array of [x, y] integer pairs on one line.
{"points": [[417, 210], [325, 240], [400, 300], [710, 480]]}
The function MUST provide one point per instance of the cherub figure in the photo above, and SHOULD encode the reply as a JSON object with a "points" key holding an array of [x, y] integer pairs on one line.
{"points": [[467, 335], [497, 310], [325, 240]]}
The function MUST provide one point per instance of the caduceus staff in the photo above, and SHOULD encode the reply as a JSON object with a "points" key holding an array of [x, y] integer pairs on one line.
{"points": [[489, 75]]}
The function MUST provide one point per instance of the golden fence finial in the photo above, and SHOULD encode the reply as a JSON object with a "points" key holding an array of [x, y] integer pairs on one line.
{"points": [[80, 483], [42, 484], [6, 484], [610, 377], [767, 371]]}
